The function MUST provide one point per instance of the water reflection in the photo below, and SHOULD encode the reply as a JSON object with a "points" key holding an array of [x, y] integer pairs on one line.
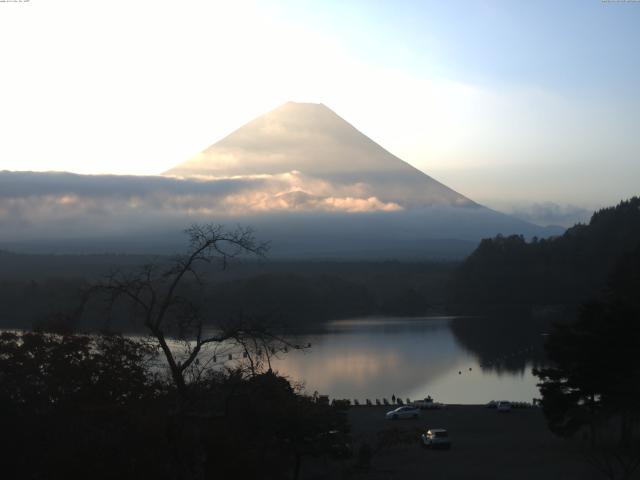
{"points": [[505, 344], [376, 358]]}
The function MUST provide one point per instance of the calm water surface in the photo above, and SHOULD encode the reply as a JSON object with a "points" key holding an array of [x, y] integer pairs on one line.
{"points": [[376, 358], [410, 357]]}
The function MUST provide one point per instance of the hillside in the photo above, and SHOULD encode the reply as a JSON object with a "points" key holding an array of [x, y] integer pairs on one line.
{"points": [[563, 270]]}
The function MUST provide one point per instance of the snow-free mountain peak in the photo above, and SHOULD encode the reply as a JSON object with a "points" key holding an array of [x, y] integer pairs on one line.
{"points": [[325, 151]]}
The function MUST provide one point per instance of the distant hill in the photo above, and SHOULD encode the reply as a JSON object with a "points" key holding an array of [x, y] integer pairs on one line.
{"points": [[34, 289], [563, 270]]}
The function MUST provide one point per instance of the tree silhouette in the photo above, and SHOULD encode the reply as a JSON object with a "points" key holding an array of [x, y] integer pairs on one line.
{"points": [[162, 300], [563, 270], [167, 300], [593, 383], [72, 404]]}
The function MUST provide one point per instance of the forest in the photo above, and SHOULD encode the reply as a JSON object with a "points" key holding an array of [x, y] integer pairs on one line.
{"points": [[562, 271], [33, 288]]}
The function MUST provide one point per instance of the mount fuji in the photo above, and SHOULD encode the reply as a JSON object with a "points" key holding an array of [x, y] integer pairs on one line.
{"points": [[300, 175], [337, 192]]}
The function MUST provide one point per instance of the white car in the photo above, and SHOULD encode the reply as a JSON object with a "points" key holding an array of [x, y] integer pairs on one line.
{"points": [[436, 438], [503, 406], [403, 412]]}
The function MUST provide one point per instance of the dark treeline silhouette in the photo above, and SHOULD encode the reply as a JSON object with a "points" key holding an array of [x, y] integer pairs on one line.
{"points": [[298, 299], [591, 387], [34, 288], [75, 406], [564, 270]]}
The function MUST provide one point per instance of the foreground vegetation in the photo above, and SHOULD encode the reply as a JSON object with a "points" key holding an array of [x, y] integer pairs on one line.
{"points": [[100, 406], [76, 406], [591, 386]]}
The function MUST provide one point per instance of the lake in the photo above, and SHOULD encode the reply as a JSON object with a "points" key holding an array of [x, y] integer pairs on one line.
{"points": [[416, 357], [463, 360]]}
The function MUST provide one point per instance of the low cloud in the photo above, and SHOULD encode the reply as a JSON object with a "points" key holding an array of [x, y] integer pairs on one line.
{"points": [[549, 213], [68, 204], [297, 200]]}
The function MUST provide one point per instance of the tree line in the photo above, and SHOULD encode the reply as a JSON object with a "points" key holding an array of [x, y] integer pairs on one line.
{"points": [[565, 270], [591, 385], [299, 294]]}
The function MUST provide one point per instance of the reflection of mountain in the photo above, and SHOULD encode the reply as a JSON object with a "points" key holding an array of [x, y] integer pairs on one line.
{"points": [[304, 178]]}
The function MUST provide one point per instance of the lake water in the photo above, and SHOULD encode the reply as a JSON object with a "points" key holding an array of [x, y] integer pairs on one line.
{"points": [[376, 358], [461, 360]]}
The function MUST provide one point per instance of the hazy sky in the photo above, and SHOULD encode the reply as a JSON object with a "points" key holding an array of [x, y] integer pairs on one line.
{"points": [[510, 103]]}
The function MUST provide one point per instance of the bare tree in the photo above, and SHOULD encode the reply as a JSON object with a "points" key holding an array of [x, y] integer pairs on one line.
{"points": [[162, 301]]}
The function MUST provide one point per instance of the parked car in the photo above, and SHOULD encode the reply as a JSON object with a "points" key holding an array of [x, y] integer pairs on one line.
{"points": [[436, 438], [403, 412], [504, 406]]}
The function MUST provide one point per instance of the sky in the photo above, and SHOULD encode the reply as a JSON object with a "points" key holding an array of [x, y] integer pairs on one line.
{"points": [[527, 107]]}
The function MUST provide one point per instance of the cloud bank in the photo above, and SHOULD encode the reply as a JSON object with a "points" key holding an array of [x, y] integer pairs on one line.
{"points": [[302, 216], [549, 213], [69, 204]]}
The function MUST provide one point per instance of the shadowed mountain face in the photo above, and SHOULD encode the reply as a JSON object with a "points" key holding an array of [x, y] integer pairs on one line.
{"points": [[308, 182], [323, 154]]}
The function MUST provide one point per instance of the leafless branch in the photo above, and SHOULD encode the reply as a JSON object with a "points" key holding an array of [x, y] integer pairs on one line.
{"points": [[153, 292]]}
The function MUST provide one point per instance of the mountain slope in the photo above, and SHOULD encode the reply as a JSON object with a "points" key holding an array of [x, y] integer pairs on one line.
{"points": [[308, 181], [327, 150]]}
